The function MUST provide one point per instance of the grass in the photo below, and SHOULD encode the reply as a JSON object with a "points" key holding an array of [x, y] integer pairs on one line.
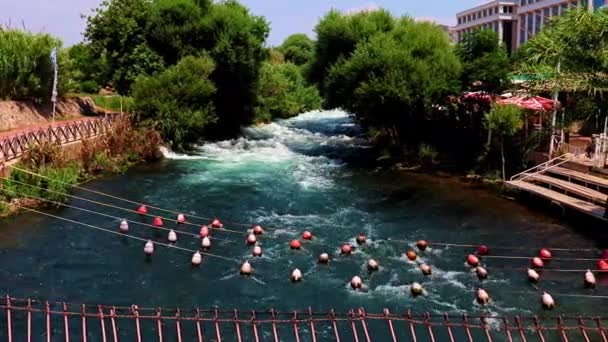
{"points": [[110, 102]]}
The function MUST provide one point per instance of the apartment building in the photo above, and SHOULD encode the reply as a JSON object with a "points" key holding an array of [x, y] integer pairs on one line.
{"points": [[514, 21]]}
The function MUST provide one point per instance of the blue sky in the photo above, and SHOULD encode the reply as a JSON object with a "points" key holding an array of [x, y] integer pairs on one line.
{"points": [[63, 17]]}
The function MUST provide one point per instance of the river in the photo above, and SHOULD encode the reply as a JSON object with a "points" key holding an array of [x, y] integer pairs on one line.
{"points": [[305, 173]]}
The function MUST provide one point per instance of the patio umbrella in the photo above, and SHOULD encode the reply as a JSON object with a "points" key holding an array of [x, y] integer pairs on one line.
{"points": [[535, 103]]}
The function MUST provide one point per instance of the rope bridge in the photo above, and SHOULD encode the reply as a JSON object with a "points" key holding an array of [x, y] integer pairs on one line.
{"points": [[13, 146], [33, 320]]}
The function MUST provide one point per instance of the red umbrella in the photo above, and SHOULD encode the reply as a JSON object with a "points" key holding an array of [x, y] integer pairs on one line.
{"points": [[478, 96], [536, 103]]}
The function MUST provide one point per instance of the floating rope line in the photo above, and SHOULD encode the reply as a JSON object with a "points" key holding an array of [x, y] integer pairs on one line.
{"points": [[125, 235], [445, 244], [311, 242], [541, 270], [530, 257], [558, 294], [114, 217]]}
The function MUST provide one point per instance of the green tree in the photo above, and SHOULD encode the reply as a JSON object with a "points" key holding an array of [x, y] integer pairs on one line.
{"points": [[484, 60], [283, 93], [392, 80], [297, 49], [178, 102], [117, 31], [505, 121], [338, 35]]}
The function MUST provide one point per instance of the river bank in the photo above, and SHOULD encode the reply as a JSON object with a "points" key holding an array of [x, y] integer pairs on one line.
{"points": [[44, 174]]}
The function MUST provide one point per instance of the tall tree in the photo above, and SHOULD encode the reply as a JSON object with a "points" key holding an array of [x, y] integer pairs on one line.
{"points": [[484, 60], [505, 121], [297, 49], [338, 35], [392, 80]]}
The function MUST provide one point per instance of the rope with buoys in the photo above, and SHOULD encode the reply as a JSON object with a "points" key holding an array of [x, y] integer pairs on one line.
{"points": [[462, 245], [125, 235], [111, 216]]}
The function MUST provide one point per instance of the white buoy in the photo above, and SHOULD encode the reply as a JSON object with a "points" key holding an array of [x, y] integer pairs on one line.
{"points": [[533, 276], [149, 248], [296, 275], [425, 269], [372, 265], [356, 282], [323, 258], [196, 258], [416, 289], [481, 272], [124, 226], [257, 251], [206, 242], [483, 297], [547, 300], [246, 268], [172, 236], [589, 279]]}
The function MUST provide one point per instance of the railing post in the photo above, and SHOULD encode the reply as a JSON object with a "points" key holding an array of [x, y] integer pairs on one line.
{"points": [[66, 322], [9, 324]]}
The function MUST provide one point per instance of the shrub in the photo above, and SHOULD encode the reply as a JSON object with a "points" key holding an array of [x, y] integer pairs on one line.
{"points": [[177, 102], [25, 64], [427, 155]]}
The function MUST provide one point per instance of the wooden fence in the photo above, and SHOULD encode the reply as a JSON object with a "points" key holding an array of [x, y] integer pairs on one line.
{"points": [[13, 146]]}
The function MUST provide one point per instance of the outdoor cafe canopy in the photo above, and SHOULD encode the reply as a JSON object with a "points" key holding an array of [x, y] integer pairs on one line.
{"points": [[535, 103]]}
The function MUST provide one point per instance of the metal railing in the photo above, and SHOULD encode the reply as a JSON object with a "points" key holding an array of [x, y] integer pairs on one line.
{"points": [[30, 320], [13, 146], [540, 168]]}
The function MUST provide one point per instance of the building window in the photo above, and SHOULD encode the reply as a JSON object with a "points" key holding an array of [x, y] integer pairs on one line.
{"points": [[459, 21], [539, 23], [555, 11], [564, 8], [491, 11]]}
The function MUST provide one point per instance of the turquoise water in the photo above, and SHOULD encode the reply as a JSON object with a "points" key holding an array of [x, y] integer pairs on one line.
{"points": [[306, 173]]}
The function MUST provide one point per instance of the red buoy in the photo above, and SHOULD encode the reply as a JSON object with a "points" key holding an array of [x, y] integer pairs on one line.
{"points": [[361, 239], [544, 254], [472, 260], [157, 222], [602, 265], [142, 209], [307, 235], [204, 231], [295, 244], [537, 262], [257, 230], [346, 249], [411, 255], [217, 224], [251, 239], [181, 219], [483, 250], [422, 245]]}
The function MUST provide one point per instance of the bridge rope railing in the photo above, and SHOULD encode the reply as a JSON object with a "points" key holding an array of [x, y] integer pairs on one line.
{"points": [[110, 322], [14, 146]]}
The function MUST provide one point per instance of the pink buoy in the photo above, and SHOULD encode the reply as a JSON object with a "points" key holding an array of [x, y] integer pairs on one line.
{"points": [[361, 239], [217, 224], [296, 276], [537, 262], [157, 222], [206, 243], [482, 297], [172, 237], [204, 231], [472, 260], [356, 282], [323, 258], [142, 209], [544, 254], [307, 235], [181, 219], [246, 268], [257, 230], [196, 259], [422, 245], [251, 239], [483, 250], [295, 244], [602, 265], [257, 251], [346, 249], [149, 248], [124, 226]]}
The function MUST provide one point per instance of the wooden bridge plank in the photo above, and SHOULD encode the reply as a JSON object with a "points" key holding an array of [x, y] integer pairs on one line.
{"points": [[579, 205], [569, 187], [580, 176]]}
